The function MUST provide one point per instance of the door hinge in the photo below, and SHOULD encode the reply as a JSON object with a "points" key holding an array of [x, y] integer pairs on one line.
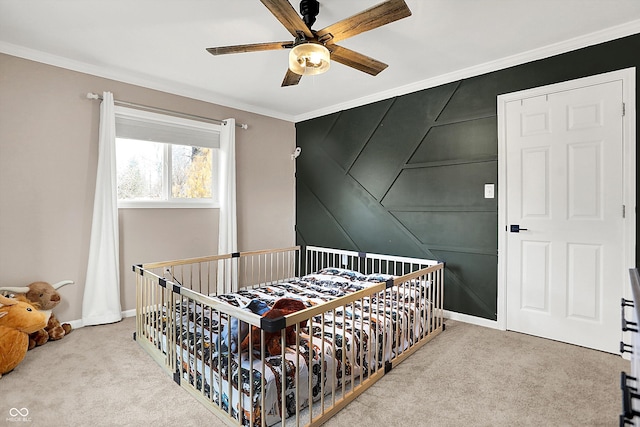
{"points": [[624, 211], [624, 109]]}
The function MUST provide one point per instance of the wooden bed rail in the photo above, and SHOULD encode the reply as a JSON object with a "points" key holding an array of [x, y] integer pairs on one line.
{"points": [[185, 261], [220, 274], [340, 346]]}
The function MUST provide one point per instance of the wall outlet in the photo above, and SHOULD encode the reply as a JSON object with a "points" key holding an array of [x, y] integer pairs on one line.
{"points": [[489, 191]]}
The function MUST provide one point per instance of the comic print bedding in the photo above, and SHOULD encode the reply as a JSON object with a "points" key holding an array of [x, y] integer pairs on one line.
{"points": [[354, 331]]}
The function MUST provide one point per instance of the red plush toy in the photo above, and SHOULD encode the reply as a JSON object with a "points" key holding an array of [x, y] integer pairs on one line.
{"points": [[282, 307]]}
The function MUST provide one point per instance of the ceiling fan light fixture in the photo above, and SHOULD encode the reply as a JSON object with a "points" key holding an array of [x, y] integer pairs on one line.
{"points": [[309, 58]]}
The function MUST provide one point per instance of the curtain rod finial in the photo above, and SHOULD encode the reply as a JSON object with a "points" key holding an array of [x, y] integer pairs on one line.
{"points": [[244, 126], [92, 95]]}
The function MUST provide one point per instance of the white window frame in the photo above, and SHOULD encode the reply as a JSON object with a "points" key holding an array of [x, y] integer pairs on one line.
{"points": [[184, 125]]}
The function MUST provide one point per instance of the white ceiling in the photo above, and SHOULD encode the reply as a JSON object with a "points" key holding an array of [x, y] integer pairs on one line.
{"points": [[161, 44]]}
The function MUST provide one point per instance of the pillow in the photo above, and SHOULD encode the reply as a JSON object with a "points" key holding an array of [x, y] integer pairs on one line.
{"points": [[343, 272], [378, 277]]}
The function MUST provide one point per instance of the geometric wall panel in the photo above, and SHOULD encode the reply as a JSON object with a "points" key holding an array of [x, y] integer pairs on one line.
{"points": [[392, 178], [468, 140], [458, 185], [470, 281], [348, 135], [396, 137], [452, 230], [406, 176]]}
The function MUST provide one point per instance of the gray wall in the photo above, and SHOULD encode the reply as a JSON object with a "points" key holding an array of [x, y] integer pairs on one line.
{"points": [[48, 157], [405, 175]]}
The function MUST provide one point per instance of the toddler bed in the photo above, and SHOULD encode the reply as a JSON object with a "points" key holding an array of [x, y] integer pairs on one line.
{"points": [[224, 328]]}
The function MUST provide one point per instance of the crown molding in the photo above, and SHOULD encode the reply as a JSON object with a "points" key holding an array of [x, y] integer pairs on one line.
{"points": [[138, 79], [150, 82], [601, 36]]}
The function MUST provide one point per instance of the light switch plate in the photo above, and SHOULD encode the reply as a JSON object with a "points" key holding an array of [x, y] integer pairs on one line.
{"points": [[489, 191]]}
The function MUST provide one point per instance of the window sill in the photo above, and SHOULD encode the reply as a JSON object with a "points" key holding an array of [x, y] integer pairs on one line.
{"points": [[167, 205]]}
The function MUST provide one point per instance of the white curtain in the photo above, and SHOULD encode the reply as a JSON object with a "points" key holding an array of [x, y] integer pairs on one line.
{"points": [[228, 227], [101, 301]]}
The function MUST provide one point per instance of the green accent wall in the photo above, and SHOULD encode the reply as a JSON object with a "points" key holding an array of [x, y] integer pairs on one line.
{"points": [[406, 175]]}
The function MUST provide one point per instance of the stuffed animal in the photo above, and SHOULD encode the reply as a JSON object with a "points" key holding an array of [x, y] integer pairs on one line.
{"points": [[282, 307], [235, 331], [17, 320], [47, 298]]}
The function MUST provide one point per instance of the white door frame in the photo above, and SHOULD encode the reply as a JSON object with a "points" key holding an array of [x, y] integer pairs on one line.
{"points": [[628, 77]]}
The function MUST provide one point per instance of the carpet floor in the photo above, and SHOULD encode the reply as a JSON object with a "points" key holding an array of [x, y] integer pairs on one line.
{"points": [[466, 376]]}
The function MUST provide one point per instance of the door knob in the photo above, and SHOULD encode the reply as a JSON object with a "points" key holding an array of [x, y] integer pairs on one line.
{"points": [[516, 228]]}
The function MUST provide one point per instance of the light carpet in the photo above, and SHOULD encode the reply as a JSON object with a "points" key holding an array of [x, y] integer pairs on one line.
{"points": [[466, 376]]}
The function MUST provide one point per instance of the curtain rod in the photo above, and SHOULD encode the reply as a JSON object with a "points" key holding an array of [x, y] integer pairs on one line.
{"points": [[162, 110]]}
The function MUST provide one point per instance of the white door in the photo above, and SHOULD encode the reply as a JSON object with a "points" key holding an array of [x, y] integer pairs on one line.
{"points": [[564, 219]]}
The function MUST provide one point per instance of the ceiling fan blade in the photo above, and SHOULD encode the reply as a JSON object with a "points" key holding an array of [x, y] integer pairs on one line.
{"points": [[368, 19], [356, 60], [287, 15], [255, 47], [291, 78]]}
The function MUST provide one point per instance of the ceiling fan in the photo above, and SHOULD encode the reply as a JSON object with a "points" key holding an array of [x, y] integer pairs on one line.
{"points": [[311, 50]]}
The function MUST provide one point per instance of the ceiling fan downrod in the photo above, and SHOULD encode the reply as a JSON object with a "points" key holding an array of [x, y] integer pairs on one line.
{"points": [[309, 9]]}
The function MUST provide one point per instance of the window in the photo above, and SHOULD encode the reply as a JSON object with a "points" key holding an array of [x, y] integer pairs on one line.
{"points": [[164, 161]]}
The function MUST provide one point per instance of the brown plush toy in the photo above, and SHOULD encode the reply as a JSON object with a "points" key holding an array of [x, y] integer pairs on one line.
{"points": [[17, 320], [282, 307], [46, 297]]}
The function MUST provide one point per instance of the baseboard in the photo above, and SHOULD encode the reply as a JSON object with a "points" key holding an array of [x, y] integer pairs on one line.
{"points": [[480, 321], [77, 324], [129, 313]]}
